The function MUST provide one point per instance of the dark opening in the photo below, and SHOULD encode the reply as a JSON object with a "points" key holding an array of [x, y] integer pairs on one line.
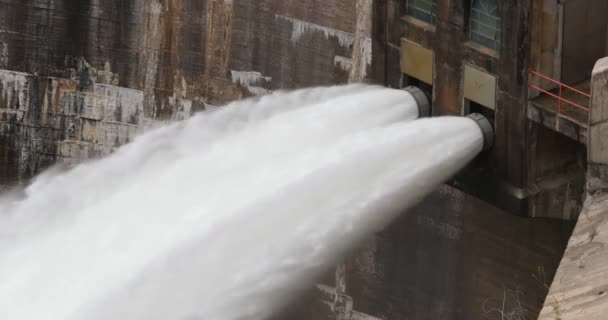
{"points": [[425, 87], [474, 107], [478, 178]]}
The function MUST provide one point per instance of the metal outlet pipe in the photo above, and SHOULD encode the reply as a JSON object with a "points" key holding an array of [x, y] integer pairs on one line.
{"points": [[424, 106], [486, 129]]}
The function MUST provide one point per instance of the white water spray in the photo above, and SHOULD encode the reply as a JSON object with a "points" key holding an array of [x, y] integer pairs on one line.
{"points": [[226, 215]]}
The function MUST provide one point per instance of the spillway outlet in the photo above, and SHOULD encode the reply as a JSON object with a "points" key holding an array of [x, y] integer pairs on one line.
{"points": [[486, 129], [424, 107]]}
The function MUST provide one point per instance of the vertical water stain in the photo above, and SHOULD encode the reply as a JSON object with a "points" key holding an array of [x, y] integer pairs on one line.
{"points": [[77, 27], [167, 68]]}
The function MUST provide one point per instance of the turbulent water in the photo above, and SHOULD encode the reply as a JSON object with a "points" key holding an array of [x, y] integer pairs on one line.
{"points": [[226, 215]]}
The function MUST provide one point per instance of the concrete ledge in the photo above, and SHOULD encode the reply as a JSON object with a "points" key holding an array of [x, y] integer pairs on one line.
{"points": [[562, 124], [580, 287]]}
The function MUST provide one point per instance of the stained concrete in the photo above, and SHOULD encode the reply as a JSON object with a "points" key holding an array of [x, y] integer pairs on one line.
{"points": [[546, 43], [46, 119], [557, 163], [597, 175], [598, 117], [79, 78], [163, 58], [584, 38], [581, 282], [578, 291], [453, 257]]}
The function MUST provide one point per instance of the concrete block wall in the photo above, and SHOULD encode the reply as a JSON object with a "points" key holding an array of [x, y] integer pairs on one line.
{"points": [[46, 119]]}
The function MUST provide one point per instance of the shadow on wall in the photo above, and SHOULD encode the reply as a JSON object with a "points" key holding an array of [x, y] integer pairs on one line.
{"points": [[451, 257]]}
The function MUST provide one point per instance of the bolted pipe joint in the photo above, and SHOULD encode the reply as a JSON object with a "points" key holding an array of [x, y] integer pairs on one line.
{"points": [[424, 107], [486, 129]]}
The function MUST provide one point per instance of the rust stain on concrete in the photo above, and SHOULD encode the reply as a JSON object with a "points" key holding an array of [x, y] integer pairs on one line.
{"points": [[62, 85]]}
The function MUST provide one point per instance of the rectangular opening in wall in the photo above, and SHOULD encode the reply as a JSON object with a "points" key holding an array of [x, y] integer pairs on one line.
{"points": [[411, 81], [479, 177], [474, 107]]}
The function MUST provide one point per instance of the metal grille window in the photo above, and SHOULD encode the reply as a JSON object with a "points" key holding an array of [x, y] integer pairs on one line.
{"points": [[425, 10], [485, 23]]}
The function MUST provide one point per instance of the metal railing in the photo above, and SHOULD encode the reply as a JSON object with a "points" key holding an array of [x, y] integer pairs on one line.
{"points": [[559, 97]]}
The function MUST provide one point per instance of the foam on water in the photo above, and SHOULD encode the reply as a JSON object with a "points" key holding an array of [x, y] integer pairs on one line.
{"points": [[226, 215]]}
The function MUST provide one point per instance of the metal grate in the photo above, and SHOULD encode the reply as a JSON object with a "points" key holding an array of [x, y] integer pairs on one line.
{"points": [[486, 24], [425, 10]]}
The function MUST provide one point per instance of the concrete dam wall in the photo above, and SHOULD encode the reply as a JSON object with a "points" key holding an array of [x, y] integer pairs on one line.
{"points": [[78, 78], [451, 257]]}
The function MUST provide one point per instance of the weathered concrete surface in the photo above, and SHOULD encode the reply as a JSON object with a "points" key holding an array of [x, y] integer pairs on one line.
{"points": [[451, 257], [597, 145], [579, 289], [584, 38], [556, 162], [42, 119], [546, 115], [556, 174], [163, 58], [80, 77], [581, 282], [545, 43]]}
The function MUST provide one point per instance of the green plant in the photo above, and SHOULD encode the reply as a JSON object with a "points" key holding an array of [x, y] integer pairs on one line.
{"points": [[556, 309]]}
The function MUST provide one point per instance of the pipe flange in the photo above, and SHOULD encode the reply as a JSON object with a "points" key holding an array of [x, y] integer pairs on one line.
{"points": [[486, 128], [424, 107]]}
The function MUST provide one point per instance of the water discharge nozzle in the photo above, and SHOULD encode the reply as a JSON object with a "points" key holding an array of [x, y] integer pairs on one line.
{"points": [[424, 107], [486, 129]]}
